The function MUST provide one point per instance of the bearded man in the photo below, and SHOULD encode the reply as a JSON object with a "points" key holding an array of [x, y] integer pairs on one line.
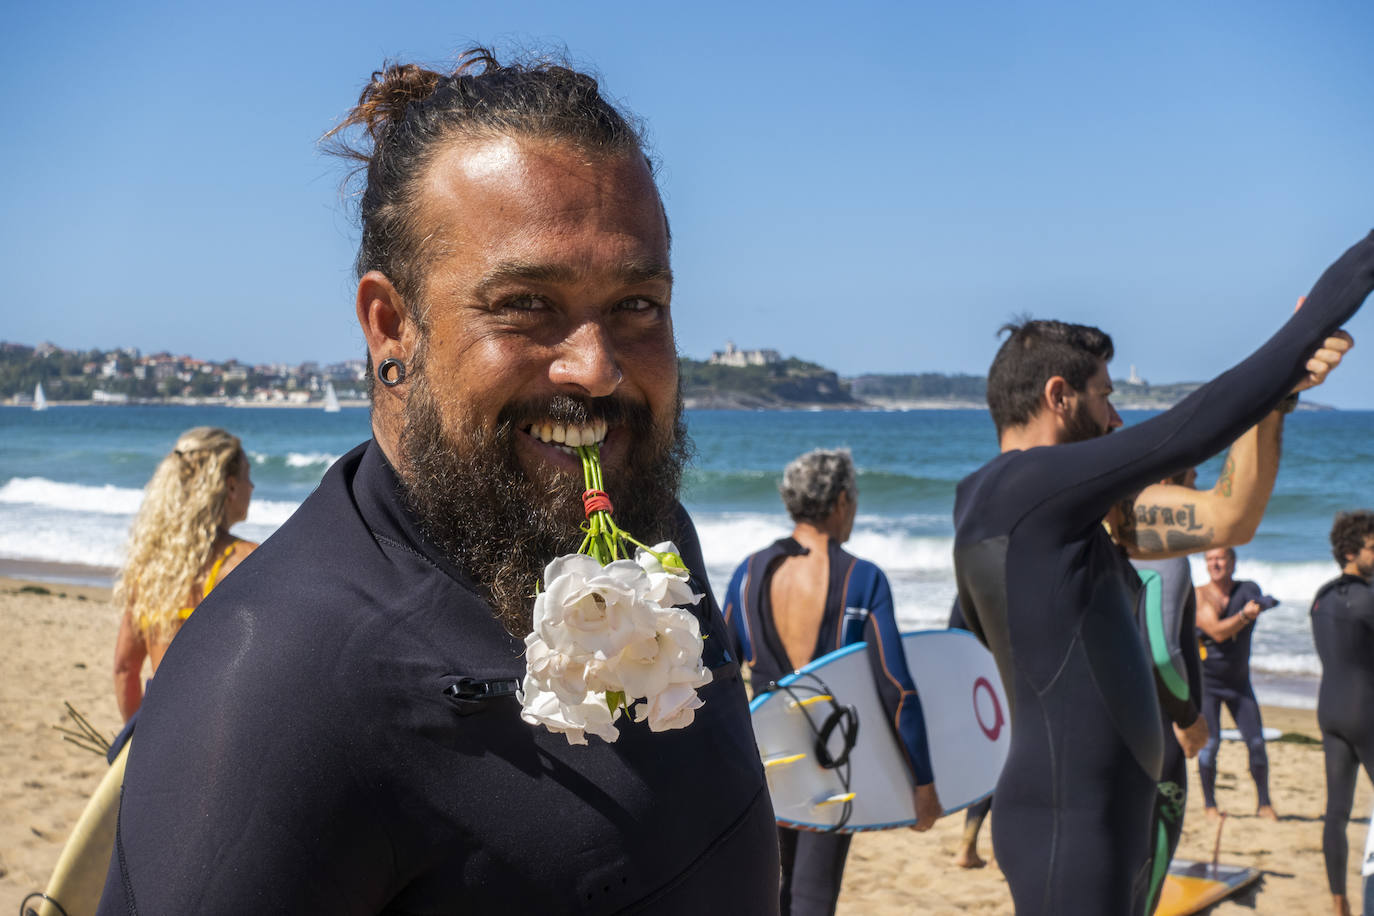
{"points": [[1042, 584], [337, 732]]}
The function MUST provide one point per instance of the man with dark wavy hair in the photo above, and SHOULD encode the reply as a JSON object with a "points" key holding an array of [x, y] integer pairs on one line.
{"points": [[1343, 630], [1041, 582], [337, 731]]}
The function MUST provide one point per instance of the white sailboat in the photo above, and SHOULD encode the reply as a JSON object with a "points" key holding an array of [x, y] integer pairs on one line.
{"points": [[40, 400], [331, 400]]}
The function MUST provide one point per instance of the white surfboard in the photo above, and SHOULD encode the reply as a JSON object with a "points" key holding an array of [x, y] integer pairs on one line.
{"points": [[79, 877], [967, 726], [1233, 734]]}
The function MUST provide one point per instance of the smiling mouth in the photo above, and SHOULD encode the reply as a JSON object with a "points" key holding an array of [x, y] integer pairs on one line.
{"points": [[566, 437]]}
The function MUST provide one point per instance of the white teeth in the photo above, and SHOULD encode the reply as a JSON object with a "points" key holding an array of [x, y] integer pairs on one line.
{"points": [[569, 437]]}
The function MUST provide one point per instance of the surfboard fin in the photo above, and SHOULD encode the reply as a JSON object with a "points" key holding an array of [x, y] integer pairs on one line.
{"points": [[819, 698], [782, 760], [834, 800]]}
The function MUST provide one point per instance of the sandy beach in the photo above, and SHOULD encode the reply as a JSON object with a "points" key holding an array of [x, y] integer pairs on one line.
{"points": [[61, 640]]}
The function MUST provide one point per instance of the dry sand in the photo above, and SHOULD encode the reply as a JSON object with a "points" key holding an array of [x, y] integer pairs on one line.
{"points": [[61, 648]]}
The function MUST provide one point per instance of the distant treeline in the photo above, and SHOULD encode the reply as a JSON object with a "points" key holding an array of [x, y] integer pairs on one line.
{"points": [[922, 386], [779, 384]]}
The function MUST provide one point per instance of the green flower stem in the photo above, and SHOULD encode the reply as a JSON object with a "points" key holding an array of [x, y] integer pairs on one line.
{"points": [[604, 540]]}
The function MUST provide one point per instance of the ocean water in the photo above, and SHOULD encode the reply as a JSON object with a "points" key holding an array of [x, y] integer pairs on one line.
{"points": [[71, 480]]}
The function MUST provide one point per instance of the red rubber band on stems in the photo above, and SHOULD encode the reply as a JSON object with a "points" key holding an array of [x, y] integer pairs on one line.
{"points": [[596, 501]]}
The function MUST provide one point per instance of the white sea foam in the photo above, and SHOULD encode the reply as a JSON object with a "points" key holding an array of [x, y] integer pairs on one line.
{"points": [[310, 459], [61, 537], [76, 523], [1291, 583], [39, 492]]}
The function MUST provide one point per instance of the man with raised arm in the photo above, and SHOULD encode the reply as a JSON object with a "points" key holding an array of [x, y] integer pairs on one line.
{"points": [[1042, 584], [337, 728]]}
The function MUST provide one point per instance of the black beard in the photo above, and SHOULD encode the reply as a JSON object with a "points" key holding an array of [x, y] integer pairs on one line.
{"points": [[1081, 427], [475, 503]]}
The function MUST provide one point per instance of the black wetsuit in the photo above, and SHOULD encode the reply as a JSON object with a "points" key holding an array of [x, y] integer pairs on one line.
{"points": [[1226, 679], [1167, 619], [1043, 586], [858, 606], [1343, 629], [298, 752]]}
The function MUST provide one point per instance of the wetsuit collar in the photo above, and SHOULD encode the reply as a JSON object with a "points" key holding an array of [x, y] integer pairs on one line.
{"points": [[380, 497]]}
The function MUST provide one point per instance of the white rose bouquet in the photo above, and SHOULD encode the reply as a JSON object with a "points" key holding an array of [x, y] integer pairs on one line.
{"points": [[608, 636]]}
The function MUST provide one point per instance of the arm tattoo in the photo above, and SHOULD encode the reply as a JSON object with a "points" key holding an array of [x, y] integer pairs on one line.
{"points": [[1184, 516], [1148, 540], [1192, 543], [1228, 470]]}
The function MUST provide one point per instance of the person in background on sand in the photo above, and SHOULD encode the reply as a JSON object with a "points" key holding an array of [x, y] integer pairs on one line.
{"points": [[1343, 629], [341, 732], [1226, 613], [804, 597], [180, 548], [1042, 584]]}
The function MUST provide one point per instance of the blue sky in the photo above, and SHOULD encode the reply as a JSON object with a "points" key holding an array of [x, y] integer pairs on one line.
{"points": [[875, 187]]}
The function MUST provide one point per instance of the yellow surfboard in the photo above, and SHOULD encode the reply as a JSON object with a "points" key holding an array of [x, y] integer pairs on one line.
{"points": [[79, 877], [1193, 886]]}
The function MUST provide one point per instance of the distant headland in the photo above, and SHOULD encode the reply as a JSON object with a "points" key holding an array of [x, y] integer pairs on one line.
{"points": [[730, 379]]}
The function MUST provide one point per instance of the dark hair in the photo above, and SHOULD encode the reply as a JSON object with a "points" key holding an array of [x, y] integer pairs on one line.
{"points": [[409, 113], [1349, 532], [1033, 353]]}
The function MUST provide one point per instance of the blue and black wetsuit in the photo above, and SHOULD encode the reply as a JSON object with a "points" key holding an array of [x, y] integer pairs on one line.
{"points": [[1226, 679], [858, 606], [1343, 629], [298, 752], [1167, 617], [1042, 585]]}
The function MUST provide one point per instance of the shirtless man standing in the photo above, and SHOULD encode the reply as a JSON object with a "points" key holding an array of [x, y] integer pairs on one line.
{"points": [[802, 598], [1226, 613]]}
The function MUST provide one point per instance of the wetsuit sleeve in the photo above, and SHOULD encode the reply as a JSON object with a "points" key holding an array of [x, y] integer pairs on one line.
{"points": [[1246, 592], [1192, 662], [868, 587], [1085, 479], [735, 624]]}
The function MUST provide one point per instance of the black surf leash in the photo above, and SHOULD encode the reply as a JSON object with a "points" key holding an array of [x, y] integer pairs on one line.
{"points": [[843, 718]]}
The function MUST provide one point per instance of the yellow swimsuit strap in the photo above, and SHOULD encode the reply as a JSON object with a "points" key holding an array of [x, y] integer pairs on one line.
{"points": [[210, 579]]}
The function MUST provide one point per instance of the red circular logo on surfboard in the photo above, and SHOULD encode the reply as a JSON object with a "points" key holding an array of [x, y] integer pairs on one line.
{"points": [[997, 721]]}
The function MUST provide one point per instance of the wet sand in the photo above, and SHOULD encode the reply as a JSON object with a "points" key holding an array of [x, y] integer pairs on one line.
{"points": [[61, 643]]}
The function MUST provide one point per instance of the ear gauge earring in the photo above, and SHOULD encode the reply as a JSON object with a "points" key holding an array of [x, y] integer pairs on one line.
{"points": [[387, 376]]}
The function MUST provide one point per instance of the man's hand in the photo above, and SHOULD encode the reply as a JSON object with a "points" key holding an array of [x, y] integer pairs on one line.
{"points": [[1192, 738], [928, 807], [1251, 611], [1327, 357]]}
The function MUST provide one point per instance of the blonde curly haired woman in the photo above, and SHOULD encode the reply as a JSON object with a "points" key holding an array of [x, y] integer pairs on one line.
{"points": [[180, 547]]}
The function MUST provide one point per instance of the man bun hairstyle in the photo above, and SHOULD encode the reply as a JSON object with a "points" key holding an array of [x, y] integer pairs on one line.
{"points": [[812, 483], [407, 114], [1034, 352], [1349, 532]]}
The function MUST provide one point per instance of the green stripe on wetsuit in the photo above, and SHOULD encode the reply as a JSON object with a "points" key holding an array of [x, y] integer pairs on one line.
{"points": [[1160, 650]]}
